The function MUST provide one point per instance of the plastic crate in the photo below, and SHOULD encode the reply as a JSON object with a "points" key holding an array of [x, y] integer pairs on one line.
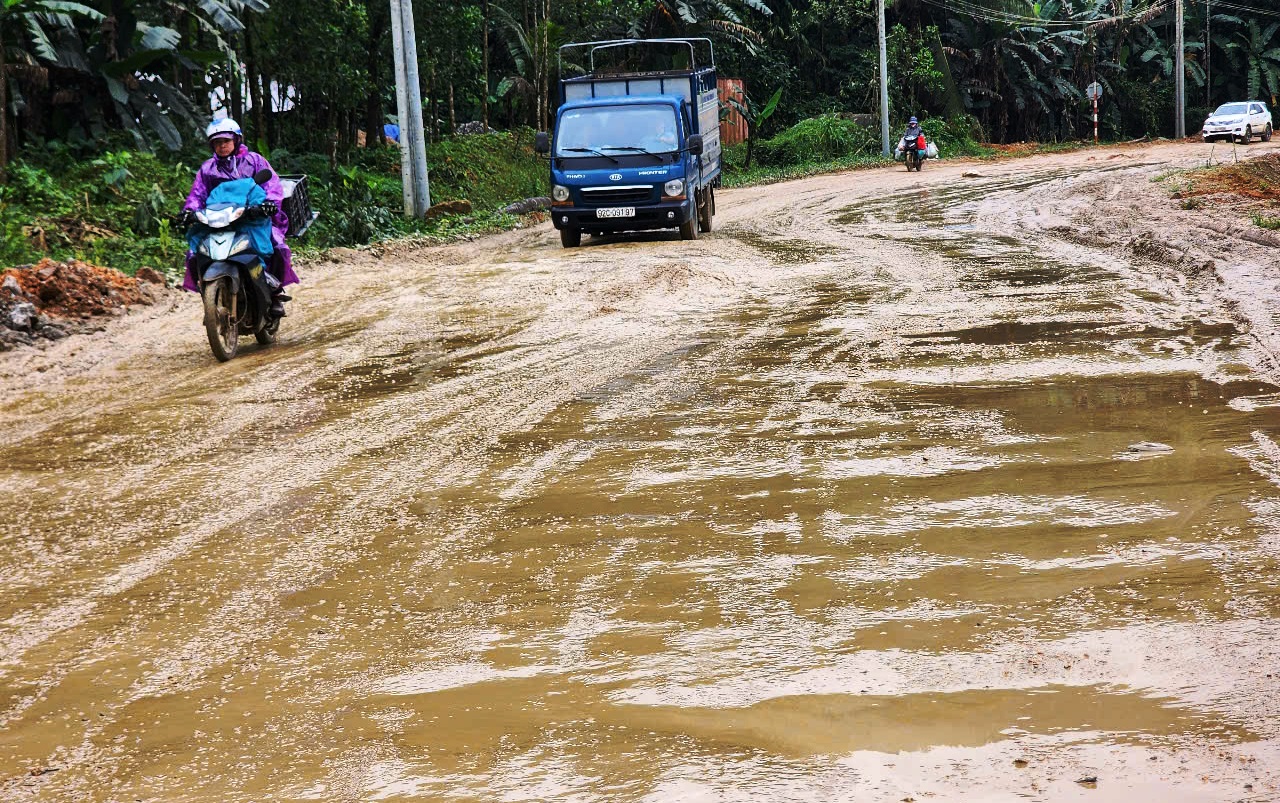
{"points": [[297, 204]]}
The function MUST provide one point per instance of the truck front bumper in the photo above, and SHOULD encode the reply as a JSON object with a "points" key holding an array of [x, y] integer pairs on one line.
{"points": [[667, 215]]}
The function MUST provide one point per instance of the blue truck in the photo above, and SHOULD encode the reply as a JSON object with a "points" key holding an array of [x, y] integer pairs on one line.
{"points": [[636, 143]]}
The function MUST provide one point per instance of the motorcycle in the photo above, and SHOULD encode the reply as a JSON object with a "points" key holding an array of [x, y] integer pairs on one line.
{"points": [[912, 154], [229, 240]]}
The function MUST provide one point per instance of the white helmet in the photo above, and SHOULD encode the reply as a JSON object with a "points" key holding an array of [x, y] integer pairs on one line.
{"points": [[226, 127]]}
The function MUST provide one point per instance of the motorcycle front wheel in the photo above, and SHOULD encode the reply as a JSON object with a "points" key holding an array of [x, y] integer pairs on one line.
{"points": [[219, 323]]}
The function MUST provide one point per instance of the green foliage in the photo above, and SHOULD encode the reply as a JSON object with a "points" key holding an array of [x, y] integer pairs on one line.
{"points": [[115, 169], [361, 202], [33, 187], [1266, 222], [958, 136], [817, 139], [115, 60]]}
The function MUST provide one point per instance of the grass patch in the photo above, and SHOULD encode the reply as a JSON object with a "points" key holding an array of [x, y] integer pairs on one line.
{"points": [[1265, 222]]}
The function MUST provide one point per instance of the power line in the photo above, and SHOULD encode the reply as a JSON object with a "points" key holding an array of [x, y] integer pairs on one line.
{"points": [[986, 14], [1266, 12], [997, 15]]}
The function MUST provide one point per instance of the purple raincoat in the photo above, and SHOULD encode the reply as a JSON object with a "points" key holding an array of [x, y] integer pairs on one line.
{"points": [[243, 164]]}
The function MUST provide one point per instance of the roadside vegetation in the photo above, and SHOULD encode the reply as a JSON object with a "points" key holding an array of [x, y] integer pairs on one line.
{"points": [[117, 209], [102, 102]]}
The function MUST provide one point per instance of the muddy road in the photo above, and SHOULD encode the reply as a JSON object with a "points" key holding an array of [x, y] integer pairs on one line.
{"points": [[932, 487]]}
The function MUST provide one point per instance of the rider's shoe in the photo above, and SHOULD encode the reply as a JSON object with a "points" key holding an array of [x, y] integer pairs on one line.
{"points": [[277, 308]]}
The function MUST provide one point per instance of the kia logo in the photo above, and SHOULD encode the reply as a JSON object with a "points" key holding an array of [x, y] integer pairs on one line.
{"points": [[615, 177]]}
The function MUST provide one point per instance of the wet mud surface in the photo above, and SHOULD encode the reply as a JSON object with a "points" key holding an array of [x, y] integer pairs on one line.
{"points": [[879, 492]]}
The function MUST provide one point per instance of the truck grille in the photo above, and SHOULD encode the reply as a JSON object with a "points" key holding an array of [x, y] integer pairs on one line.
{"points": [[617, 195]]}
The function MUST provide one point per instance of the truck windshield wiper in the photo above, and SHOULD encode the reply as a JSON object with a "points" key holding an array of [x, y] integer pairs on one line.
{"points": [[634, 148], [590, 150]]}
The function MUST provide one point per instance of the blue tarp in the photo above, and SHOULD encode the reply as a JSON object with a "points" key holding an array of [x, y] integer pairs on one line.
{"points": [[242, 192]]}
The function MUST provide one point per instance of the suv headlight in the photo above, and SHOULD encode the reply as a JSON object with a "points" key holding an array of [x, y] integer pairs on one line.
{"points": [[560, 193], [673, 187]]}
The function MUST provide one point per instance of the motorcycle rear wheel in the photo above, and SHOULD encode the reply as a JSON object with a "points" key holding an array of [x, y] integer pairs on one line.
{"points": [[223, 332]]}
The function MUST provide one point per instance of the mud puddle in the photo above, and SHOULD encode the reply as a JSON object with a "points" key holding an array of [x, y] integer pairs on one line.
{"points": [[892, 510]]}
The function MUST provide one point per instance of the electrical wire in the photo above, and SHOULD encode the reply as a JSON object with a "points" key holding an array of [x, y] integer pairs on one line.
{"points": [[987, 14], [1266, 12]]}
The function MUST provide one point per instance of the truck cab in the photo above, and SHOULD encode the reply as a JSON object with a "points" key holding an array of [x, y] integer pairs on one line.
{"points": [[635, 149]]}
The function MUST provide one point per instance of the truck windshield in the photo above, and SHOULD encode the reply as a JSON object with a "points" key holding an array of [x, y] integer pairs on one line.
{"points": [[610, 129]]}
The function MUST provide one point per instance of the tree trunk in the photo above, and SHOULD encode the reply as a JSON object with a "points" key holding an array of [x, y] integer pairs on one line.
{"points": [[236, 77], [254, 77], [373, 136], [546, 65], [373, 119], [4, 115], [484, 61], [453, 117]]}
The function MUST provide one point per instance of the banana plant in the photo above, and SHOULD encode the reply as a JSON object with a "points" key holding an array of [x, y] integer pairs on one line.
{"points": [[754, 116], [112, 55], [23, 43], [1257, 50]]}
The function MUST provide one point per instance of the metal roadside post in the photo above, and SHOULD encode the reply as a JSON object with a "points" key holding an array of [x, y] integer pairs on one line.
{"points": [[1094, 91]]}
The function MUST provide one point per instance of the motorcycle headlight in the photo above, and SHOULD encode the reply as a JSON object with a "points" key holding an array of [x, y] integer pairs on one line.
{"points": [[673, 187], [560, 193]]}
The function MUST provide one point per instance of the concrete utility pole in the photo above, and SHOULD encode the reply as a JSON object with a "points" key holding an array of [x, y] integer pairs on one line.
{"points": [[1179, 83], [1208, 66], [884, 80], [413, 143]]}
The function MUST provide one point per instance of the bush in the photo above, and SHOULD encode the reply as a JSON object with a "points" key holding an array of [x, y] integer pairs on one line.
{"points": [[821, 138], [956, 136]]}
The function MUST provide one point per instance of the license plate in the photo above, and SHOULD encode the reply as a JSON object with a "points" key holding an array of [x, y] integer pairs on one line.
{"points": [[617, 211]]}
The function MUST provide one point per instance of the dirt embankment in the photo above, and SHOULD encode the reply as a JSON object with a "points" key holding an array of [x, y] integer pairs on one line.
{"points": [[51, 300]]}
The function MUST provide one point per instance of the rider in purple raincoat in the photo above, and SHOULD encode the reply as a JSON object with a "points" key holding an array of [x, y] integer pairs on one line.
{"points": [[232, 160]]}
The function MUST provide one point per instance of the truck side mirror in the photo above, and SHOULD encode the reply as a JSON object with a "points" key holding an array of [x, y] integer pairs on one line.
{"points": [[695, 144], [262, 176], [541, 142]]}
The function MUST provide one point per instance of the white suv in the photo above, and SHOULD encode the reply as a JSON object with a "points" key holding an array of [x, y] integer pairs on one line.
{"points": [[1239, 121]]}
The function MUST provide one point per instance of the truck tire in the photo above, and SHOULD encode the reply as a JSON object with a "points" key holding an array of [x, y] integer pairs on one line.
{"points": [[705, 211], [689, 230], [570, 238]]}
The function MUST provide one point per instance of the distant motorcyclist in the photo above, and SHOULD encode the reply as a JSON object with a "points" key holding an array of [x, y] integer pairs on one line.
{"points": [[231, 160], [911, 137]]}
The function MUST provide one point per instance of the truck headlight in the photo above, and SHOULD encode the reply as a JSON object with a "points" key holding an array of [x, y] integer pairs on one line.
{"points": [[560, 193], [673, 187]]}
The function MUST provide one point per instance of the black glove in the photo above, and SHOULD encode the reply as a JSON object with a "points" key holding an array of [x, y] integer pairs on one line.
{"points": [[268, 208], [185, 218]]}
